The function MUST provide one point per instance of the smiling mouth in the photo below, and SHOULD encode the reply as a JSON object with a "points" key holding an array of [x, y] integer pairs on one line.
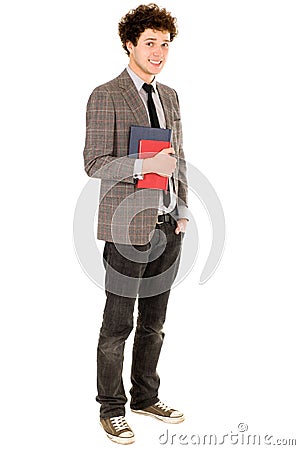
{"points": [[156, 63]]}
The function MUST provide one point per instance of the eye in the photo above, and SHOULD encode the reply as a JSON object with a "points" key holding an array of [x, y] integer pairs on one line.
{"points": [[165, 44], [150, 44]]}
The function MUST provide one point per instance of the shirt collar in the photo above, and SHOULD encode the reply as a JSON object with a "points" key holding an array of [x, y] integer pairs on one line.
{"points": [[138, 82]]}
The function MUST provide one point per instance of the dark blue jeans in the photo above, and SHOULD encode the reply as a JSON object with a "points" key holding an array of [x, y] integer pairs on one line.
{"points": [[148, 275]]}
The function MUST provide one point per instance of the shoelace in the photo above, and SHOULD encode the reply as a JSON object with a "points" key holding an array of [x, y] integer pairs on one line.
{"points": [[162, 406], [119, 423]]}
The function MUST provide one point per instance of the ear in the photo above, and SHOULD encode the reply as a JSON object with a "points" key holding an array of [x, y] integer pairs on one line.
{"points": [[129, 46]]}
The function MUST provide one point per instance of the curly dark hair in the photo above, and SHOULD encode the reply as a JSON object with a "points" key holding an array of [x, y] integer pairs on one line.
{"points": [[136, 21]]}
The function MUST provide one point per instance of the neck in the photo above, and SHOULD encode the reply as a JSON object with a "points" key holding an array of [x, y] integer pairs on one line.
{"points": [[148, 78]]}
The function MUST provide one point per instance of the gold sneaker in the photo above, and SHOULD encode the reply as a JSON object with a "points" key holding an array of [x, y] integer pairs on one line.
{"points": [[162, 412], [118, 430]]}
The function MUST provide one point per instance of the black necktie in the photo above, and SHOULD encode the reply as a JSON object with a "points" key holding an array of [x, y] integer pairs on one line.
{"points": [[155, 124], [151, 107]]}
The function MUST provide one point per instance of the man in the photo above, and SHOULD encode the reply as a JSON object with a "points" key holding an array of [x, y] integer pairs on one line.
{"points": [[142, 228]]}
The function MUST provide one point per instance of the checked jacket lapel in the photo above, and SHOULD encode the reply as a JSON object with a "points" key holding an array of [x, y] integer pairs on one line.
{"points": [[133, 99], [166, 104], [136, 104]]}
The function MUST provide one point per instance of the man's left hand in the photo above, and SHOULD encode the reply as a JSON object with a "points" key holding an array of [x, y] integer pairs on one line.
{"points": [[181, 225]]}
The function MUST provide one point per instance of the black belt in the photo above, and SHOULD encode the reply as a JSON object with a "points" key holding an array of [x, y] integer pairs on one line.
{"points": [[165, 218]]}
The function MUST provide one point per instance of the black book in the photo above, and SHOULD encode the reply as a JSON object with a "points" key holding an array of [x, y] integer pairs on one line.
{"points": [[138, 134]]}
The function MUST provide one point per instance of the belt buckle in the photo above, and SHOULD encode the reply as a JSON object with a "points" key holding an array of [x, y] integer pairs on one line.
{"points": [[159, 223]]}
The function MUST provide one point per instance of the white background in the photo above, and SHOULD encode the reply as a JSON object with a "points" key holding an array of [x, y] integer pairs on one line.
{"points": [[231, 348]]}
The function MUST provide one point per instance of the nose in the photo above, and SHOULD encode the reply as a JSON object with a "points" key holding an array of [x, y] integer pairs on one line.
{"points": [[158, 53]]}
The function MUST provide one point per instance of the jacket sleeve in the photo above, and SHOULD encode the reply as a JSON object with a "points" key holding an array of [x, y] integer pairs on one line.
{"points": [[182, 206], [100, 160]]}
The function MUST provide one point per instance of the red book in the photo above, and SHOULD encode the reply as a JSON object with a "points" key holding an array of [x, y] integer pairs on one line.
{"points": [[147, 149]]}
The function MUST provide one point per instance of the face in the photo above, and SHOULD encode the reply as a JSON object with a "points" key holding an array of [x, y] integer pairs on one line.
{"points": [[150, 54]]}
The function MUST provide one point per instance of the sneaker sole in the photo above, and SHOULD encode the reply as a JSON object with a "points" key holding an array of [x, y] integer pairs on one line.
{"points": [[161, 418]]}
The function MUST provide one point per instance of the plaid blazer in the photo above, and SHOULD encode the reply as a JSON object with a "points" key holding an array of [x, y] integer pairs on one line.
{"points": [[127, 214]]}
